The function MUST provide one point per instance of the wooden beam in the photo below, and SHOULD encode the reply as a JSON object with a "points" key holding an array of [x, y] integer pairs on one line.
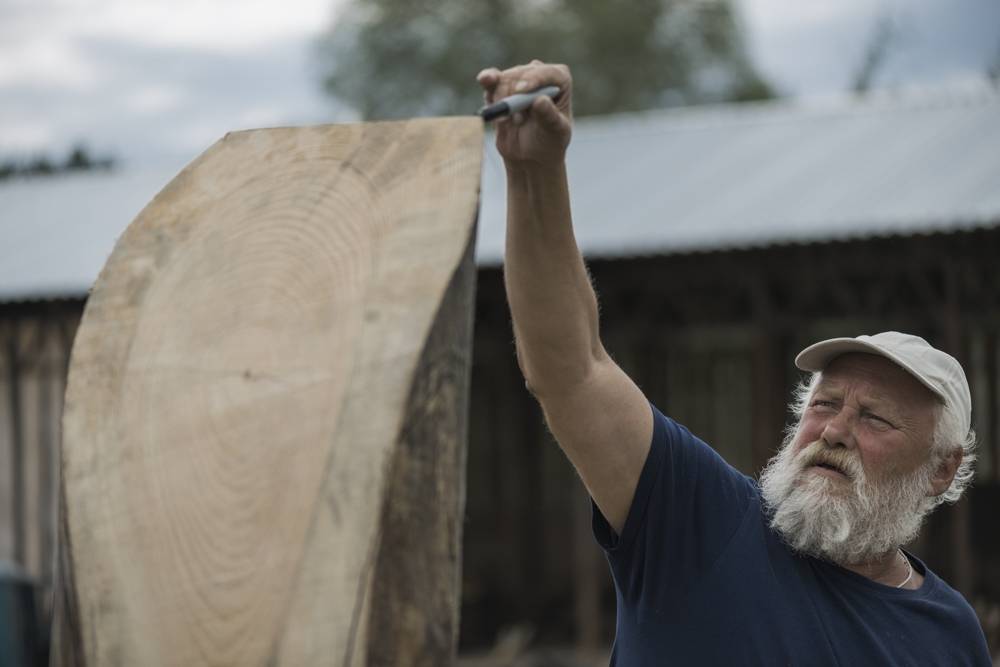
{"points": [[589, 574], [51, 381], [991, 368], [17, 444], [264, 426], [768, 386], [962, 557]]}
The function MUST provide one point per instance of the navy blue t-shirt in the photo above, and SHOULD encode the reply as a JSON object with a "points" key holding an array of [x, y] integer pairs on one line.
{"points": [[701, 579]]}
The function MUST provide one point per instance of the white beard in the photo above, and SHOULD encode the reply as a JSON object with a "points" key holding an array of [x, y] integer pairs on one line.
{"points": [[844, 521]]}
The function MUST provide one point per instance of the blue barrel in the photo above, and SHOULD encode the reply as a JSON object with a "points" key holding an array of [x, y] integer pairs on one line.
{"points": [[20, 643]]}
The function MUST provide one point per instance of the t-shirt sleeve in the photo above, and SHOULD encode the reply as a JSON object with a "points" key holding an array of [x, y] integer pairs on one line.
{"points": [[687, 506]]}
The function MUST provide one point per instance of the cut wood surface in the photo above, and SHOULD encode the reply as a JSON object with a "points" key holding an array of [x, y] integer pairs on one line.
{"points": [[264, 428]]}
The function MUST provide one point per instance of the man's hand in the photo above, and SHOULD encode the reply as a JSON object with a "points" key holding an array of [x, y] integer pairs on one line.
{"points": [[541, 133]]}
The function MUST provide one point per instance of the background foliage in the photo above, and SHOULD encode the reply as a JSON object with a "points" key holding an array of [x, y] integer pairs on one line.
{"points": [[400, 58]]}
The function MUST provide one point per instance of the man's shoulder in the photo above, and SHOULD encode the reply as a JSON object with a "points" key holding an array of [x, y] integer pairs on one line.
{"points": [[941, 590], [674, 435], [696, 475], [951, 605]]}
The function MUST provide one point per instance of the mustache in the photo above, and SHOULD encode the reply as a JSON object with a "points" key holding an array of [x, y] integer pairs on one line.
{"points": [[841, 460]]}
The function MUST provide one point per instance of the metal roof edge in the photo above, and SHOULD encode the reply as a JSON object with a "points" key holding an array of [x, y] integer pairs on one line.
{"points": [[779, 110]]}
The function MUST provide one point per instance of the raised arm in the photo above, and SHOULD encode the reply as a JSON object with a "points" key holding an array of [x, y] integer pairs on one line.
{"points": [[598, 415]]}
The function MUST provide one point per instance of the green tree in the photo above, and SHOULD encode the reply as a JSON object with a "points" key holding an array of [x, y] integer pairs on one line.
{"points": [[43, 165], [78, 159], [399, 58]]}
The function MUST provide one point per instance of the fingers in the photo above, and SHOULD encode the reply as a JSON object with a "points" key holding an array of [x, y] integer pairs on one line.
{"points": [[547, 113], [498, 84], [488, 77], [530, 77], [488, 80]]}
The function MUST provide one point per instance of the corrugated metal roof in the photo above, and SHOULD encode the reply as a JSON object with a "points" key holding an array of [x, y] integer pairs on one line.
{"points": [[737, 176], [670, 181], [56, 233]]}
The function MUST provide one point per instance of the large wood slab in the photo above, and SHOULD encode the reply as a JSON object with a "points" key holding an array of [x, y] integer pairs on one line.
{"points": [[264, 427]]}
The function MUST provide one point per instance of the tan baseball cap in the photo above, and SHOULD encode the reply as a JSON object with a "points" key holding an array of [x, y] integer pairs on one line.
{"points": [[938, 371]]}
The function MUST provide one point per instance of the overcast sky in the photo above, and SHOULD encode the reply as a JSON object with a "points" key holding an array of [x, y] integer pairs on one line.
{"points": [[148, 78]]}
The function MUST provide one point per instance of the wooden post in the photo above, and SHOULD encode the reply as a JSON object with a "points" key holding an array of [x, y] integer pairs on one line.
{"points": [[265, 420], [588, 576], [963, 562], [17, 445], [992, 417], [50, 387], [769, 394]]}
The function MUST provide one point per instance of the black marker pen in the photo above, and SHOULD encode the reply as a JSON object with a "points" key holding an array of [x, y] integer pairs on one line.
{"points": [[519, 102]]}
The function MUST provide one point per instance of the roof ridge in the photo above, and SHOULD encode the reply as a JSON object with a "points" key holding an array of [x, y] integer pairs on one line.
{"points": [[913, 98]]}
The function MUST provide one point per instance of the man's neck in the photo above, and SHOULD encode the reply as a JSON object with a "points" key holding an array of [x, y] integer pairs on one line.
{"points": [[890, 569]]}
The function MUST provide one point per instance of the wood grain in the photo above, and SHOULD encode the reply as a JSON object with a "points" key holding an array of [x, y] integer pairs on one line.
{"points": [[266, 407]]}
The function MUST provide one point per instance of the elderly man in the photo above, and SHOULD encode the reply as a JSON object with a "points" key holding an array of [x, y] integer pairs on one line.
{"points": [[710, 567]]}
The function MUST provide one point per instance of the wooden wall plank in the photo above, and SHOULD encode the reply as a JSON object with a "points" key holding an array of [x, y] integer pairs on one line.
{"points": [[15, 416], [7, 471]]}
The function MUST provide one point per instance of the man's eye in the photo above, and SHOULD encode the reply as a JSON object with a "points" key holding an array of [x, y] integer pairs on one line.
{"points": [[881, 420], [820, 403]]}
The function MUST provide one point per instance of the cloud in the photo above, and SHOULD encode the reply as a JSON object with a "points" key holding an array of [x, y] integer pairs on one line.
{"points": [[815, 48], [46, 61], [223, 26], [22, 136], [783, 15], [167, 100], [153, 99], [139, 77]]}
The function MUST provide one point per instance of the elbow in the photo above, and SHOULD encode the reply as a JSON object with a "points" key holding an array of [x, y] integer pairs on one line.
{"points": [[523, 366], [559, 376]]}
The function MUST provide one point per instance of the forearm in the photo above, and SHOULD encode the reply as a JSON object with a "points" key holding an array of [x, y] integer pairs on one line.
{"points": [[553, 305], [599, 416]]}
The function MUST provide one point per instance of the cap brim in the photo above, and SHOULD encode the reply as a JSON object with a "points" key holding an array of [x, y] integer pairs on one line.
{"points": [[816, 357]]}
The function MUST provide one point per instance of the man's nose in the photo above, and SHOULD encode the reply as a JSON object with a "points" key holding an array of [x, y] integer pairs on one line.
{"points": [[839, 429]]}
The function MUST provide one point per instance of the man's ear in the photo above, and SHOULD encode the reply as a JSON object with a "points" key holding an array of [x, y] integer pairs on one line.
{"points": [[945, 472]]}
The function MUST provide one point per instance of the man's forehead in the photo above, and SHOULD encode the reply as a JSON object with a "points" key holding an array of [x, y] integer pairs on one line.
{"points": [[882, 379]]}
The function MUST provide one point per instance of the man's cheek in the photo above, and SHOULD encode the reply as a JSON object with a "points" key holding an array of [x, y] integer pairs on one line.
{"points": [[803, 438], [809, 431]]}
